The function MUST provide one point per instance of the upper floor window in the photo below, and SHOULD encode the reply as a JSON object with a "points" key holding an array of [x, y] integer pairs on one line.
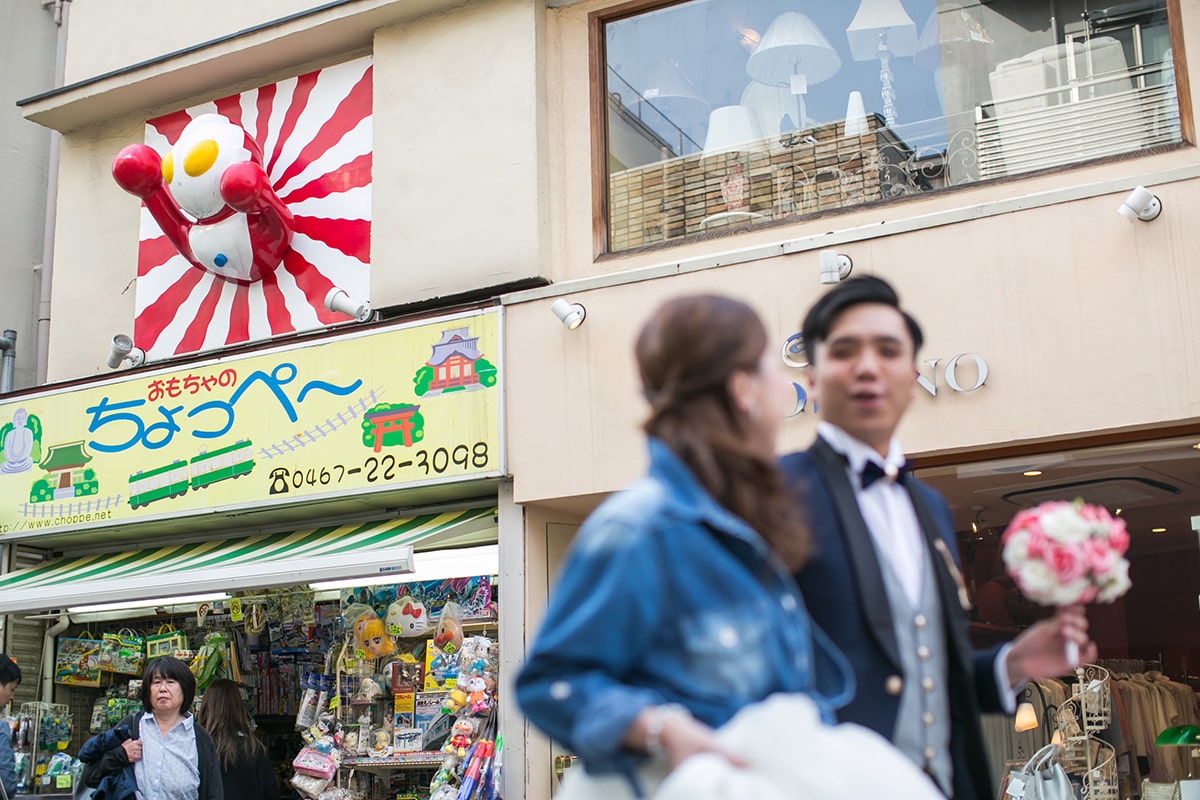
{"points": [[737, 112]]}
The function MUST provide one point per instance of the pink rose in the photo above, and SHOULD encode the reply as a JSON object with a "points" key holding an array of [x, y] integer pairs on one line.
{"points": [[1118, 537], [1101, 556], [1065, 562], [1038, 541]]}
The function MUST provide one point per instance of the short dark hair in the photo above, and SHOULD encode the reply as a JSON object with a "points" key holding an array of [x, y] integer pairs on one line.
{"points": [[819, 320], [174, 669], [9, 671]]}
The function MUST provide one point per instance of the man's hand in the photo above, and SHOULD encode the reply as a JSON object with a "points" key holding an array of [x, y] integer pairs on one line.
{"points": [[681, 736], [1041, 651]]}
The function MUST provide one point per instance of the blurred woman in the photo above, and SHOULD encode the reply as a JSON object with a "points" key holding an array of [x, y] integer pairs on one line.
{"points": [[172, 758], [676, 607], [246, 770], [10, 677]]}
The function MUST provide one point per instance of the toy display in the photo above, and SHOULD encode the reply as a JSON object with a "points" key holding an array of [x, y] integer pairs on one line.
{"points": [[407, 617], [449, 635], [371, 639]]}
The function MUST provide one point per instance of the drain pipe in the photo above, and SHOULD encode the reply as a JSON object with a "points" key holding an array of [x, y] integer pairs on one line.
{"points": [[46, 692], [61, 8], [8, 359]]}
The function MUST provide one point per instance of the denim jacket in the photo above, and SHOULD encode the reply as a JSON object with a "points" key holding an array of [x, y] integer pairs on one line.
{"points": [[667, 597]]}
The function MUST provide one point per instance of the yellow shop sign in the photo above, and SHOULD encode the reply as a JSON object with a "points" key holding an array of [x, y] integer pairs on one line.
{"points": [[378, 410]]}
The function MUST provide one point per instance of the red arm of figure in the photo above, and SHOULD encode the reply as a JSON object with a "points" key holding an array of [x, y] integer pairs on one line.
{"points": [[246, 188], [138, 170]]}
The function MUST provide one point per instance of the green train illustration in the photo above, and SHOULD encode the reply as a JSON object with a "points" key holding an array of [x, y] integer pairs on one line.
{"points": [[204, 469]]}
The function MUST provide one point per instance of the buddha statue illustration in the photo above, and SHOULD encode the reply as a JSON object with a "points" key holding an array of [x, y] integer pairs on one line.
{"points": [[20, 442]]}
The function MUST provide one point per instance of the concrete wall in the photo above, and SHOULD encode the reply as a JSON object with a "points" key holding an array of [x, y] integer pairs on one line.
{"points": [[27, 46]]}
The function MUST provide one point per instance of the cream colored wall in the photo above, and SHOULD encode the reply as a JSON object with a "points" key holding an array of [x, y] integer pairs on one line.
{"points": [[458, 192], [570, 130], [108, 35], [1087, 324], [95, 252]]}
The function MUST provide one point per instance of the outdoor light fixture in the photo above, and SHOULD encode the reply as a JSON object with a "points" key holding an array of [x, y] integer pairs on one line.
{"points": [[122, 350], [569, 314], [1140, 204], [339, 301], [834, 266]]}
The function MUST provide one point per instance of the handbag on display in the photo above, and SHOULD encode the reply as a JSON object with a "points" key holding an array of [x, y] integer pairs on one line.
{"points": [[77, 661], [1041, 778], [165, 642], [123, 652]]}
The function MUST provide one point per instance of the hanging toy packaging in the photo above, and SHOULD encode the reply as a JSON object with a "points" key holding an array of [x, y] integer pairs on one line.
{"points": [[371, 639]]}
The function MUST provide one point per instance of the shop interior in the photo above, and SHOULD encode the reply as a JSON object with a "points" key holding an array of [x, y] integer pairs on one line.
{"points": [[1149, 639], [378, 681]]}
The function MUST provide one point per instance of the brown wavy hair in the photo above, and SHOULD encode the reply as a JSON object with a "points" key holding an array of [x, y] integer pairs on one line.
{"points": [[686, 354]]}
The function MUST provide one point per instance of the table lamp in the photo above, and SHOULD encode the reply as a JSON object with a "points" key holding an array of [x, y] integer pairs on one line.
{"points": [[733, 131], [1183, 736], [793, 54], [882, 29]]}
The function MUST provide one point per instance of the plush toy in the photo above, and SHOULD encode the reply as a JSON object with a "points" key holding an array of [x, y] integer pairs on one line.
{"points": [[383, 743], [407, 617], [477, 695], [371, 637], [460, 737], [455, 699], [368, 689], [350, 742]]}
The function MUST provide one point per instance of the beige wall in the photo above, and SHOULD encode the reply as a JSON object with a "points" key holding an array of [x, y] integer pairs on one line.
{"points": [[108, 35], [1087, 323], [458, 115]]}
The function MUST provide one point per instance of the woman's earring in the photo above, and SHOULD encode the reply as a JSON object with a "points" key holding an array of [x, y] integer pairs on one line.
{"points": [[752, 411]]}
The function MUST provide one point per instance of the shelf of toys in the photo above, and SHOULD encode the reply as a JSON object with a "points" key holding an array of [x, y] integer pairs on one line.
{"points": [[40, 739], [405, 706]]}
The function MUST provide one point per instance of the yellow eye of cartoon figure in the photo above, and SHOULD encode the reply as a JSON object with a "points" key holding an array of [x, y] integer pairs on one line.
{"points": [[168, 167], [201, 157]]}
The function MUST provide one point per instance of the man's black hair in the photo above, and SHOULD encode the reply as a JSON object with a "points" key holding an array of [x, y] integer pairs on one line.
{"points": [[819, 320], [9, 671]]}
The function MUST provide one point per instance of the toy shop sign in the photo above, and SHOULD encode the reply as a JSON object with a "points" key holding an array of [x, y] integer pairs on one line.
{"points": [[375, 411]]}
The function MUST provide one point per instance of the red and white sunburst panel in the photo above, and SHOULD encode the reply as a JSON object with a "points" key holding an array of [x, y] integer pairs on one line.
{"points": [[315, 137]]}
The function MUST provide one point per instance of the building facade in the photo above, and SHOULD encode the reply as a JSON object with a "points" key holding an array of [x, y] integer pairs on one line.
{"points": [[616, 155]]}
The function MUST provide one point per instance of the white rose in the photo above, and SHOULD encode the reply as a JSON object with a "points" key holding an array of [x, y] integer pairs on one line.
{"points": [[1114, 583], [1036, 581], [1016, 550], [1064, 524], [1067, 593]]}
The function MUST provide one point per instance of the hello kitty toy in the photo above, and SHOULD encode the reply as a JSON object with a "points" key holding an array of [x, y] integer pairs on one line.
{"points": [[407, 617], [212, 198]]}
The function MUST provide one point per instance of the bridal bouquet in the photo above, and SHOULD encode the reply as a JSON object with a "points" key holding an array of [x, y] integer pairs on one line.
{"points": [[1063, 553]]}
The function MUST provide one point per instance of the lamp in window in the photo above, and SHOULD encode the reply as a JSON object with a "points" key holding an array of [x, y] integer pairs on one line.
{"points": [[671, 96], [1027, 716], [732, 133], [882, 29], [1184, 736], [793, 55]]}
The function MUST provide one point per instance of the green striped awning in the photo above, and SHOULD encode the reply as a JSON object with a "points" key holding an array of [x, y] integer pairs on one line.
{"points": [[248, 562]]}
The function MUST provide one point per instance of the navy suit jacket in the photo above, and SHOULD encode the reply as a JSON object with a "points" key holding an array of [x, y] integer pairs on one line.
{"points": [[844, 590]]}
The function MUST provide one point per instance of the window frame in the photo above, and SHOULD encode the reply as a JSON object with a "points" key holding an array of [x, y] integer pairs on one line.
{"points": [[598, 124]]}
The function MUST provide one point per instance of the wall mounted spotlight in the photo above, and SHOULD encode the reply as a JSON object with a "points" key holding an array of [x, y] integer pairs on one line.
{"points": [[834, 266], [1140, 204], [569, 314], [123, 350], [337, 300]]}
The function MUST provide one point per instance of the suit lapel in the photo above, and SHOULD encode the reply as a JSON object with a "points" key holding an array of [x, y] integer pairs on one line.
{"points": [[861, 548], [951, 589]]}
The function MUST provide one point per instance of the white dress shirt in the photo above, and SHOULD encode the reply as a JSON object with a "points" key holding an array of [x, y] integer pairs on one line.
{"points": [[888, 511]]}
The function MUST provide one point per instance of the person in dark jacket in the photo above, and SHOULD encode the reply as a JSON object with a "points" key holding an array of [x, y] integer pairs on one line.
{"points": [[246, 770], [172, 757], [10, 677]]}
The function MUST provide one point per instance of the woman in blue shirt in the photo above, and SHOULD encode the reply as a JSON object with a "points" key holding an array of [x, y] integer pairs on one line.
{"points": [[676, 606], [10, 677]]}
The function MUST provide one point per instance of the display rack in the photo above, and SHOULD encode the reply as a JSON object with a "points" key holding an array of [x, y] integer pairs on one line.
{"points": [[43, 730], [1086, 713]]}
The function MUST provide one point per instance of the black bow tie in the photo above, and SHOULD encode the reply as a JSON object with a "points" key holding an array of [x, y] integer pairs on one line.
{"points": [[872, 472]]}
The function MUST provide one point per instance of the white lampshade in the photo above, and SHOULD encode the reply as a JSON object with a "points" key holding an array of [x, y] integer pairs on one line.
{"points": [[877, 17], [793, 45], [670, 91], [773, 104], [732, 128], [856, 115]]}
